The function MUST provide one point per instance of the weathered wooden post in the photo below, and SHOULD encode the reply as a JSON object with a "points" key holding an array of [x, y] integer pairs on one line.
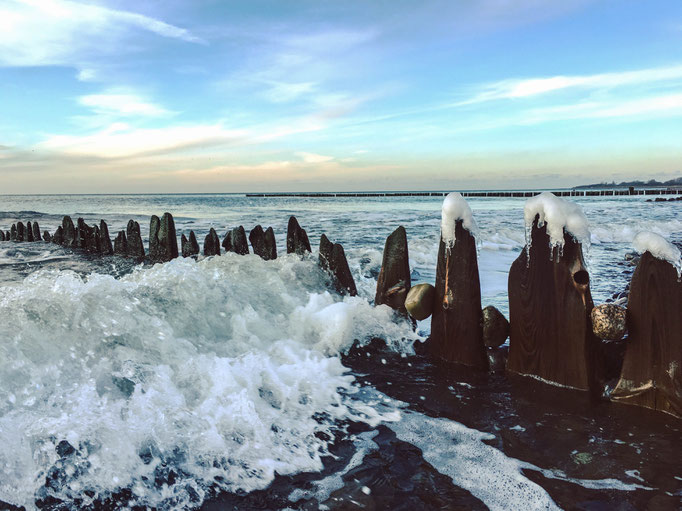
{"points": [[190, 247], [212, 243], [163, 241], [394, 281], [120, 244], [104, 239], [263, 242], [550, 302], [652, 368], [68, 232], [297, 238], [36, 231], [235, 241], [332, 258], [456, 331], [135, 247]]}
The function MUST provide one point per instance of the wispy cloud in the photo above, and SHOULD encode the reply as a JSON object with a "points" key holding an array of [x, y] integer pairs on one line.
{"points": [[115, 103], [530, 87], [63, 32], [313, 158], [121, 140]]}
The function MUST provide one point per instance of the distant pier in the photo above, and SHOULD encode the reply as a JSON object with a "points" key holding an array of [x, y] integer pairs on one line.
{"points": [[516, 193]]}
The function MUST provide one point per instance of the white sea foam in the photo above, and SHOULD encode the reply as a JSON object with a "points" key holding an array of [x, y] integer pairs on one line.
{"points": [[558, 215], [460, 453], [658, 247], [456, 208], [222, 370]]}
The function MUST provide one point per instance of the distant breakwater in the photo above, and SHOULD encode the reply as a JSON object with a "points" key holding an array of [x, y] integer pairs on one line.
{"points": [[517, 193]]}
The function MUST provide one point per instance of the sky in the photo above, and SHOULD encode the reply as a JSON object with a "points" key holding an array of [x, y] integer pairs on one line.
{"points": [[120, 96]]}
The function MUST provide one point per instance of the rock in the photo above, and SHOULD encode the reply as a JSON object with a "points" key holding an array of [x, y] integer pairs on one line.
{"points": [[135, 247], [104, 239], [456, 325], [28, 233], [58, 237], [68, 232], [652, 368], [36, 232], [46, 237], [495, 327], [263, 242], [419, 302], [163, 240], [212, 243], [394, 281], [13, 233], [497, 358], [21, 232], [190, 247], [550, 335], [297, 238], [609, 322], [121, 244], [235, 241], [332, 259]]}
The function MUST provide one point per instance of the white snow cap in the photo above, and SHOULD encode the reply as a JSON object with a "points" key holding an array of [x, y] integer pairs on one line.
{"points": [[658, 247], [558, 214], [456, 208]]}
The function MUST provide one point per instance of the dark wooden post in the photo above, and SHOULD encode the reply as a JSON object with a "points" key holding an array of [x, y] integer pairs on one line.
{"points": [[394, 281], [652, 374], [456, 325], [549, 314]]}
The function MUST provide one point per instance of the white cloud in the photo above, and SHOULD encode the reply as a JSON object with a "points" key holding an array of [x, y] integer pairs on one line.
{"points": [[313, 158], [63, 32], [121, 104], [525, 88], [120, 140]]}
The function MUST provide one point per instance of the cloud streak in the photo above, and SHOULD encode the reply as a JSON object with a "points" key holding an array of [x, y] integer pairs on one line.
{"points": [[64, 32]]}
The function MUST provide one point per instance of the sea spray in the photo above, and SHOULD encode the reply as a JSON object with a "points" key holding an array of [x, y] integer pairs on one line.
{"points": [[176, 379]]}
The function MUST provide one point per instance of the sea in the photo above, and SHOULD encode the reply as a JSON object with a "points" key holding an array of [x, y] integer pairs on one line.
{"points": [[230, 382]]}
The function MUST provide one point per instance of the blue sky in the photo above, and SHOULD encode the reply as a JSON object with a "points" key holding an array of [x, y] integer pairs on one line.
{"points": [[227, 96]]}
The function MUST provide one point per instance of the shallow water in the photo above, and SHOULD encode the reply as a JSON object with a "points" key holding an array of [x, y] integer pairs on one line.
{"points": [[229, 382]]}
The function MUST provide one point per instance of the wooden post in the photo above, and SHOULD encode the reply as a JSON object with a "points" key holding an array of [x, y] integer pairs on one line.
{"points": [[456, 325], [652, 374], [394, 281], [549, 313]]}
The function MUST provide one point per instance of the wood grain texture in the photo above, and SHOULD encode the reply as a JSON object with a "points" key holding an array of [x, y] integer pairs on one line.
{"points": [[394, 281], [549, 313], [651, 374], [456, 325]]}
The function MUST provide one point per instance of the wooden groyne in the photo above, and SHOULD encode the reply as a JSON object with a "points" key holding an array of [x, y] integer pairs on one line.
{"points": [[556, 334], [492, 193]]}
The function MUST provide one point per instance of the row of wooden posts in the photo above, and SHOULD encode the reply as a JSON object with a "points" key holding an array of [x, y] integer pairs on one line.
{"points": [[551, 330], [163, 243]]}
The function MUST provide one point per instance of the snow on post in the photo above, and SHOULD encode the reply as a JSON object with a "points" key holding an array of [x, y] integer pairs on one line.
{"points": [[658, 247], [558, 215], [456, 208]]}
